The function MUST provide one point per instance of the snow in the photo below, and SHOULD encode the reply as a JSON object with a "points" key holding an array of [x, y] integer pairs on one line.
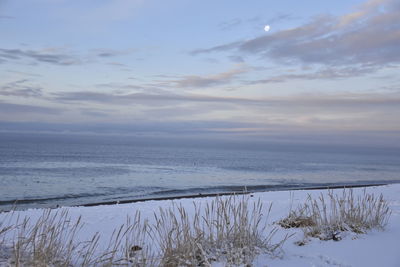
{"points": [[376, 248]]}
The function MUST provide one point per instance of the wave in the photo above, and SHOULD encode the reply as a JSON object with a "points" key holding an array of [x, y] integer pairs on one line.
{"points": [[47, 199], [263, 187]]}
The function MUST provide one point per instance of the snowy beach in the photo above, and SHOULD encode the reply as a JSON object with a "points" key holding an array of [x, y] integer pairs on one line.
{"points": [[376, 247], [199, 133]]}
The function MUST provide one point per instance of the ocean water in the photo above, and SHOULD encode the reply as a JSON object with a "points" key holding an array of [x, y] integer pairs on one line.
{"points": [[49, 170]]}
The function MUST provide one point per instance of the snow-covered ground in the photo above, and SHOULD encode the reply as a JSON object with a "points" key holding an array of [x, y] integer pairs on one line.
{"points": [[376, 248]]}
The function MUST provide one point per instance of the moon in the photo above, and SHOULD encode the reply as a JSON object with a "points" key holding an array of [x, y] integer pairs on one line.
{"points": [[267, 28]]}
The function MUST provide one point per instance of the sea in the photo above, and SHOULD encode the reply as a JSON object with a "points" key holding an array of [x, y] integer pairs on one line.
{"points": [[51, 170]]}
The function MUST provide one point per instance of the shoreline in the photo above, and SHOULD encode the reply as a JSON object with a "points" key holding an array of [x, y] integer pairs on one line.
{"points": [[200, 195], [247, 190]]}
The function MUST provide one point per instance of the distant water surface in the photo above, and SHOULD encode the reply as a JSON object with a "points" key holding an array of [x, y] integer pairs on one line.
{"points": [[49, 170]]}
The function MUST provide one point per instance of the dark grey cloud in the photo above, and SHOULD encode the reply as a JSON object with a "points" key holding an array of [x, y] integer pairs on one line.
{"points": [[50, 57], [20, 88], [12, 109], [368, 36], [117, 64], [60, 56], [113, 85], [237, 59], [108, 53], [327, 73]]}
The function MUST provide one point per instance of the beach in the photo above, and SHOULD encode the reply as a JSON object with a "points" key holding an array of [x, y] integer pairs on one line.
{"points": [[199, 133], [375, 247]]}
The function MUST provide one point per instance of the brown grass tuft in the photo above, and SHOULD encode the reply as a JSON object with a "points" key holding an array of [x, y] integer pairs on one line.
{"points": [[231, 230], [325, 217]]}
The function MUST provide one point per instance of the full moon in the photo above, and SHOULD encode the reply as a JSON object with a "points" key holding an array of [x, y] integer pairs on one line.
{"points": [[267, 28]]}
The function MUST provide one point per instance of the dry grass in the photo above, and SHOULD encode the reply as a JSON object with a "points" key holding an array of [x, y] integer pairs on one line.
{"points": [[50, 241], [225, 230], [229, 230], [326, 217], [5, 251]]}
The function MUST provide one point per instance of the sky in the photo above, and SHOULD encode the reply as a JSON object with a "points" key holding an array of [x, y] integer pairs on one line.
{"points": [[326, 70]]}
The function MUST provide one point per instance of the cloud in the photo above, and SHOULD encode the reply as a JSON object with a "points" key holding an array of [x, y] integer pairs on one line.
{"points": [[60, 56], [20, 88], [349, 101], [24, 73], [369, 36], [328, 73], [281, 115], [218, 48], [364, 10], [113, 85], [195, 81], [237, 59], [9, 109], [117, 64], [43, 56], [108, 53], [164, 98]]}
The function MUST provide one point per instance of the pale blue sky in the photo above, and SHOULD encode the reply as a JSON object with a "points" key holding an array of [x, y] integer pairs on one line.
{"points": [[325, 66]]}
